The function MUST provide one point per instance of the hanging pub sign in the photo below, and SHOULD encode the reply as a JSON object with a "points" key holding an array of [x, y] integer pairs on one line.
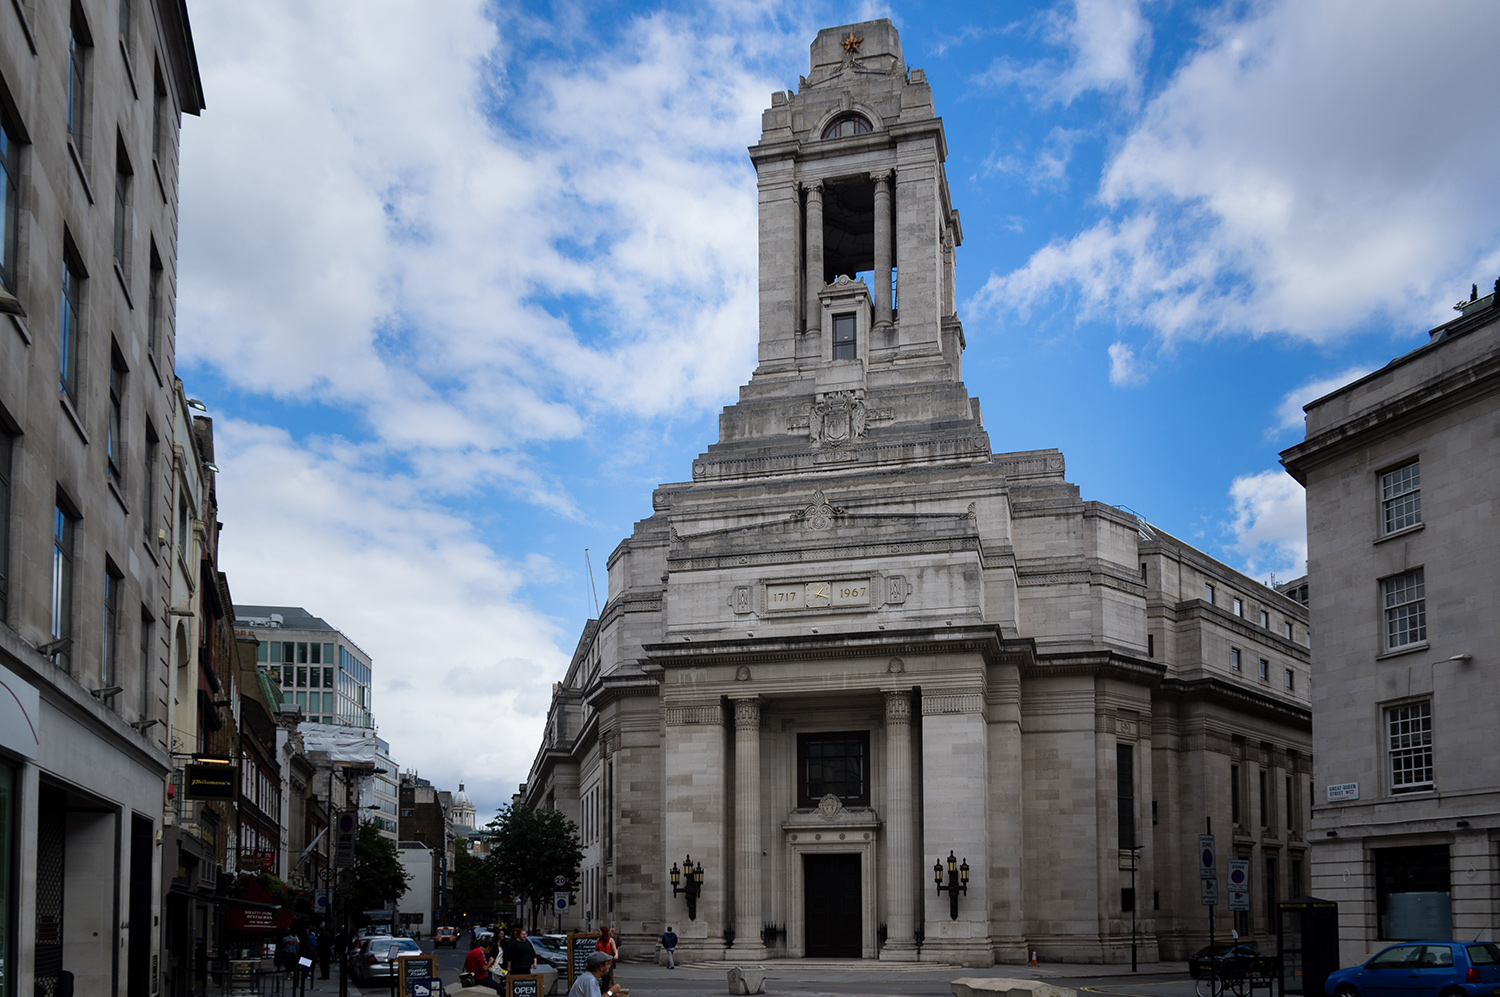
{"points": [[208, 781]]}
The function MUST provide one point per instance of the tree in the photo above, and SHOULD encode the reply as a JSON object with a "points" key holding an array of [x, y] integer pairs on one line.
{"points": [[530, 849], [474, 885], [378, 877]]}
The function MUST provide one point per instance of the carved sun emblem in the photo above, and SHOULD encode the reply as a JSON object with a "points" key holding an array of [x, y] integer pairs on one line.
{"points": [[851, 43]]}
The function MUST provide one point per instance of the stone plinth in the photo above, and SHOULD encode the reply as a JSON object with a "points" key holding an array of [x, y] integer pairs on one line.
{"points": [[997, 987]]}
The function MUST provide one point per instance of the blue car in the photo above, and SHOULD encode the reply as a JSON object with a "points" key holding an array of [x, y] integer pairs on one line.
{"points": [[1422, 969]]}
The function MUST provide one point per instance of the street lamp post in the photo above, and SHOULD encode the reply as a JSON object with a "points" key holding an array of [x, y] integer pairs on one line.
{"points": [[958, 881], [694, 885]]}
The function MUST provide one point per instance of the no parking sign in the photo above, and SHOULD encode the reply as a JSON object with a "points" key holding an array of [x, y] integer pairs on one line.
{"points": [[1239, 884]]}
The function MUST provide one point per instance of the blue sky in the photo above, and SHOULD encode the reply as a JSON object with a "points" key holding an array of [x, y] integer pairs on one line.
{"points": [[461, 282]]}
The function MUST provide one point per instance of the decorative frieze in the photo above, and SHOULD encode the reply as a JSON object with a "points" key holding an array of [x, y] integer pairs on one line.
{"points": [[952, 702], [681, 716]]}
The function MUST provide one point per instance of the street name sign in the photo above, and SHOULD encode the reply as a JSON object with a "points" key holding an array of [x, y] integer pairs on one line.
{"points": [[1343, 791]]}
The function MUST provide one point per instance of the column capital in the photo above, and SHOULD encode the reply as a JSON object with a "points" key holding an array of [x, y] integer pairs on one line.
{"points": [[878, 177], [813, 186], [746, 714], [898, 706]]}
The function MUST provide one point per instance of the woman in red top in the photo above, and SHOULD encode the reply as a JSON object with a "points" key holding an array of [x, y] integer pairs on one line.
{"points": [[606, 944]]}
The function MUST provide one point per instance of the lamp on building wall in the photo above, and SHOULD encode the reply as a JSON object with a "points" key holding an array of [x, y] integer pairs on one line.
{"points": [[693, 887], [958, 881]]}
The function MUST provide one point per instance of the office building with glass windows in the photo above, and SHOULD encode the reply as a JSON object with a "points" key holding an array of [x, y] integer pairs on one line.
{"points": [[324, 673], [1402, 469]]}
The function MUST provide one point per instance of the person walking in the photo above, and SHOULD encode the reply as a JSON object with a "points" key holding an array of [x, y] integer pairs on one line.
{"points": [[669, 942], [606, 944], [326, 943]]}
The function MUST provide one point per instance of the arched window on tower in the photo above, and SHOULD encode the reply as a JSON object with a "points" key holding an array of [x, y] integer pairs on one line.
{"points": [[849, 124]]}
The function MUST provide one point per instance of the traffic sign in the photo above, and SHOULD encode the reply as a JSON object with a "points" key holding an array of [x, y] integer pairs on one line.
{"points": [[1208, 863], [326, 875], [1239, 884], [559, 881], [1210, 892], [559, 902], [345, 826]]}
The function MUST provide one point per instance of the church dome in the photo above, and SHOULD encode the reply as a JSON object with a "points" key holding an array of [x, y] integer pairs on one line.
{"points": [[461, 799]]}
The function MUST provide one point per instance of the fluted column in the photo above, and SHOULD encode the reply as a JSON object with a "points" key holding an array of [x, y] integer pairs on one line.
{"points": [[747, 904], [883, 251], [814, 255]]}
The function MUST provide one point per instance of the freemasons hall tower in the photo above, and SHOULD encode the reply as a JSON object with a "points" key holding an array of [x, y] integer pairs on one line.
{"points": [[858, 641]]}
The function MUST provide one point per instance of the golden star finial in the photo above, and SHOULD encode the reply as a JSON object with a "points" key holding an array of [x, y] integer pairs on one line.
{"points": [[851, 43]]}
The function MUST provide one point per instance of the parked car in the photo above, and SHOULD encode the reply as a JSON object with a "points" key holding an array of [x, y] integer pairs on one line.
{"points": [[548, 952], [1422, 969], [373, 961], [1231, 956], [359, 937], [445, 936]]}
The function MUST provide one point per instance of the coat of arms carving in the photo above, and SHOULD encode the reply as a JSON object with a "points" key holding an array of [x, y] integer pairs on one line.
{"points": [[836, 418], [830, 806]]}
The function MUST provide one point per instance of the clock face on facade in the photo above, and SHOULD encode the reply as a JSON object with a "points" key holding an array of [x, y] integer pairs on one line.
{"points": [[822, 594]]}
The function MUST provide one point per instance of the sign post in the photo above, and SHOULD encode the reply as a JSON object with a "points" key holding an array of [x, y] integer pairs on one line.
{"points": [[345, 827], [1208, 883]]}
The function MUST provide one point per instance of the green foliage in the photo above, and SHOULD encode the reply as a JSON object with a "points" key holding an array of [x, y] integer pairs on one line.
{"points": [[273, 885], [529, 848], [378, 877], [474, 886]]}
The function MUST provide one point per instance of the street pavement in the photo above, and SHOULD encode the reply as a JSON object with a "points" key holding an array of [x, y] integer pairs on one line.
{"points": [[829, 977]]}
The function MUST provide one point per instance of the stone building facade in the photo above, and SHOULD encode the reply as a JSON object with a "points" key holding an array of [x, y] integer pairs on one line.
{"points": [[1402, 469], [858, 640], [92, 95]]}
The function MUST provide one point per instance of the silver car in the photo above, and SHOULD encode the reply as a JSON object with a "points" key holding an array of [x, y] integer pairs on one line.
{"points": [[374, 959]]}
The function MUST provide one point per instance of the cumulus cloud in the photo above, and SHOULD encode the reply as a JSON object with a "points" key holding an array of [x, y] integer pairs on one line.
{"points": [[1289, 414], [1270, 523], [1107, 42], [1125, 370], [461, 667], [1280, 184]]}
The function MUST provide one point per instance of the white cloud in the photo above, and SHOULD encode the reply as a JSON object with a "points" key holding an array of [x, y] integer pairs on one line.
{"points": [[1107, 43], [1125, 370], [1270, 523], [1289, 414], [1283, 183], [462, 668]]}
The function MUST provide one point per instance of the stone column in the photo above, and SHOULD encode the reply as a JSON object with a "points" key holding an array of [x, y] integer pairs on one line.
{"points": [[883, 251], [747, 887], [900, 872], [814, 256]]}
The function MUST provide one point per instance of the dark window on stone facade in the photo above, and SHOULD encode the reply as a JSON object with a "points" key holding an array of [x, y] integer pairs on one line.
{"points": [[836, 764], [1125, 794], [849, 124], [1234, 793], [843, 337]]}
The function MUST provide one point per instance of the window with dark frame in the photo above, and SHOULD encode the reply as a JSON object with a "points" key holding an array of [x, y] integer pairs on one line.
{"points": [[148, 482], [1290, 824], [1125, 793], [1208, 594], [7, 449], [153, 303], [79, 43], [69, 326], [1404, 598], [123, 224], [64, 526], [835, 763], [847, 125], [1234, 794], [1151, 645], [10, 202], [108, 665], [1234, 658], [1265, 812], [148, 630], [843, 337], [158, 113], [1265, 670], [1401, 497], [114, 444], [1271, 891]]}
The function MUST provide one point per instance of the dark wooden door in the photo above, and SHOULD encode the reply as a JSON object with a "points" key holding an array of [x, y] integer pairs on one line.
{"points": [[831, 886]]}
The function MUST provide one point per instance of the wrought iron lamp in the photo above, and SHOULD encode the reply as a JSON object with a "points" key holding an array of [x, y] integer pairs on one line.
{"points": [[958, 881], [693, 885]]}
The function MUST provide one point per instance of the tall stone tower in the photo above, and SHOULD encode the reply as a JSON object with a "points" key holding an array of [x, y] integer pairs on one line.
{"points": [[860, 342]]}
